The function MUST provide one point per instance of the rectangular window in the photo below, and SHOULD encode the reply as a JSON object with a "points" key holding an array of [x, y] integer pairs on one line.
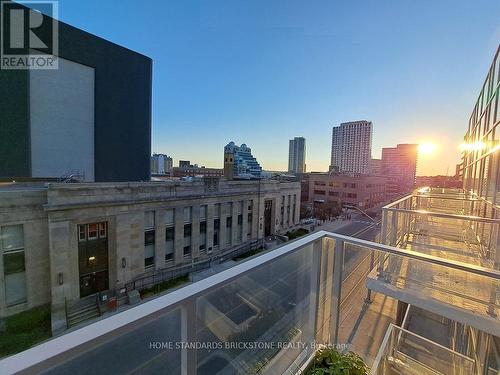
{"points": [[187, 239], [12, 237], [103, 230], [229, 225], [12, 246], [82, 233], [169, 216], [217, 210], [249, 226], [187, 214], [149, 249], [149, 240], [169, 243], [92, 231], [203, 212], [149, 219], [216, 231], [203, 235], [250, 205]]}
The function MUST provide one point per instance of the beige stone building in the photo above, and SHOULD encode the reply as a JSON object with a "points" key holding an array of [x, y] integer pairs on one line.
{"points": [[63, 242]]}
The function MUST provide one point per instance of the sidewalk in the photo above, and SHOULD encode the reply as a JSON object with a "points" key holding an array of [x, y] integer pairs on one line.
{"points": [[332, 226]]}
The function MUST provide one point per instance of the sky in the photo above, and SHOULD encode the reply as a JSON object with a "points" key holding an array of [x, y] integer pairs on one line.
{"points": [[261, 72]]}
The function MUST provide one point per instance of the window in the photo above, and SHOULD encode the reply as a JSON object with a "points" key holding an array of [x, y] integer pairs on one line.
{"points": [[203, 235], [249, 226], [187, 239], [170, 216], [92, 231], [12, 247], [319, 192], [203, 212], [217, 210], [169, 243], [149, 240], [103, 230], [216, 231], [149, 249], [250, 205], [82, 233], [149, 219], [187, 214], [229, 225]]}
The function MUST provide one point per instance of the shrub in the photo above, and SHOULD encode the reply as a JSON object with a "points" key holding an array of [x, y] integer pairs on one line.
{"points": [[330, 362], [296, 233], [148, 292]]}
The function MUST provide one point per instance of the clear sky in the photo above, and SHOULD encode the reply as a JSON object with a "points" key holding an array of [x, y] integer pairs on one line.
{"points": [[262, 72]]}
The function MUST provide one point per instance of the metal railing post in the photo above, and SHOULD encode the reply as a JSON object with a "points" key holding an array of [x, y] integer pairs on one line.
{"points": [[338, 262], [188, 335], [394, 229]]}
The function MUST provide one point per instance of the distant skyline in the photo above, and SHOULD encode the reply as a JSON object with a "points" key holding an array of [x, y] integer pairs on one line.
{"points": [[263, 72]]}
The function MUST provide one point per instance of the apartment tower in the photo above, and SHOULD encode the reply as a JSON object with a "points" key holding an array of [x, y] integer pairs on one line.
{"points": [[351, 147], [297, 155]]}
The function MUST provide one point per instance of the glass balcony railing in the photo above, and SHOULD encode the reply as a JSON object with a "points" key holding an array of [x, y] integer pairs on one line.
{"points": [[445, 224], [267, 315], [404, 352]]}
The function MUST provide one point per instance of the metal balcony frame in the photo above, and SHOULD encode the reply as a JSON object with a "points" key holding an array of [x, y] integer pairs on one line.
{"points": [[385, 342], [59, 349]]}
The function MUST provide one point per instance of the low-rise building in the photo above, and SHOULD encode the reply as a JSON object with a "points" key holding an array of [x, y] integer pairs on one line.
{"points": [[63, 242], [161, 164], [362, 191], [195, 171]]}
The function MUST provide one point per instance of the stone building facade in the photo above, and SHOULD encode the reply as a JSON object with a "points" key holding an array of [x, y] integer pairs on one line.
{"points": [[61, 242]]}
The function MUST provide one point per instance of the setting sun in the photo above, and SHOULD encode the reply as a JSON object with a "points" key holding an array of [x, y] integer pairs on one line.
{"points": [[426, 148]]}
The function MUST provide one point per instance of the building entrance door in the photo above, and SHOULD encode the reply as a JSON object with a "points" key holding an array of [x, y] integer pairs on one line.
{"points": [[93, 258]]}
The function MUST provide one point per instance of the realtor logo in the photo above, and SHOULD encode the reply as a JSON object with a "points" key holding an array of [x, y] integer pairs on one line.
{"points": [[28, 35]]}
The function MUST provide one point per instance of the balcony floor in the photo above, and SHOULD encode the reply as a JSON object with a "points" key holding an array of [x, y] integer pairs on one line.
{"points": [[364, 325]]}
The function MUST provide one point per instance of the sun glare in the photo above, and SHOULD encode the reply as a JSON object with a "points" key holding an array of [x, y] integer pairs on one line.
{"points": [[426, 148]]}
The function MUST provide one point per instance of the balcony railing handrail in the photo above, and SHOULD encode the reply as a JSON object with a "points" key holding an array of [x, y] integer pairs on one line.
{"points": [[473, 198], [124, 320], [445, 215]]}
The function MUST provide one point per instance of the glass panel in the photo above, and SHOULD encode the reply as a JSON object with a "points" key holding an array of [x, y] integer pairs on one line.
{"points": [[149, 237], [92, 231], [149, 219], [203, 212], [15, 288], [82, 233], [252, 319], [13, 262], [149, 251], [103, 230], [12, 237], [405, 350], [169, 216], [150, 348], [187, 214]]}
